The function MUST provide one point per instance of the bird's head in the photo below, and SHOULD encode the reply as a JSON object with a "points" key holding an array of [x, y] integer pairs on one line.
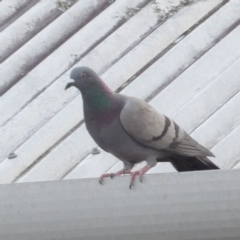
{"points": [[84, 78]]}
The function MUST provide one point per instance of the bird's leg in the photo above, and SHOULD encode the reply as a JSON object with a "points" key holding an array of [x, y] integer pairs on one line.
{"points": [[112, 175], [151, 163], [140, 172], [126, 170]]}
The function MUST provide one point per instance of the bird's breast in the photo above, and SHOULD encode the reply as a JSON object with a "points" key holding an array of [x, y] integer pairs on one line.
{"points": [[103, 132]]}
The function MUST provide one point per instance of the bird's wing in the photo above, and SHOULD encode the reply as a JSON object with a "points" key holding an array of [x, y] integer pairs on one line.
{"points": [[157, 131]]}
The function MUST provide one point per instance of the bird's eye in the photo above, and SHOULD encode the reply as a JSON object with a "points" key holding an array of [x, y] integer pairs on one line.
{"points": [[84, 75]]}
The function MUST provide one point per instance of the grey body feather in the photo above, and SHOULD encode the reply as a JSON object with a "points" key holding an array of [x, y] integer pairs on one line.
{"points": [[157, 131], [111, 136]]}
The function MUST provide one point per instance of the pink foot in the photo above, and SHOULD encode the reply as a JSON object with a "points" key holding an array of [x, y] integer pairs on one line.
{"points": [[112, 175], [141, 172], [133, 175]]}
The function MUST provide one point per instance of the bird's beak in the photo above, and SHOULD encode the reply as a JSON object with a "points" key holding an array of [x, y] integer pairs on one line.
{"points": [[70, 84]]}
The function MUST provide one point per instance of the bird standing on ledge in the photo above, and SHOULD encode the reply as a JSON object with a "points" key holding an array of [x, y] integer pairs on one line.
{"points": [[133, 131]]}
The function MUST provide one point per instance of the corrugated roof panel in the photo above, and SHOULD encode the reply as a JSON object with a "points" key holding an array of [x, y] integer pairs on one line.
{"points": [[177, 64], [44, 43], [27, 26], [216, 60], [54, 98], [12, 10], [220, 123], [228, 148], [57, 63], [183, 54]]}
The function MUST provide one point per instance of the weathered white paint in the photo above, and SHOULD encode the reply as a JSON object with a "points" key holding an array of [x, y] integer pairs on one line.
{"points": [[121, 41], [9, 9], [220, 124], [26, 27], [58, 62], [39, 143], [93, 166], [55, 97], [45, 42], [209, 99], [227, 150], [198, 75], [60, 160], [153, 45], [181, 56]]}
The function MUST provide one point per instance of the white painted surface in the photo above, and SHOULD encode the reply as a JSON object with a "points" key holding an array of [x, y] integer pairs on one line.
{"points": [[209, 99], [220, 123], [63, 158], [185, 53], [38, 144], [55, 97], [26, 27], [227, 150], [10, 8], [93, 166], [46, 41], [153, 45], [61, 60], [198, 75], [41, 115]]}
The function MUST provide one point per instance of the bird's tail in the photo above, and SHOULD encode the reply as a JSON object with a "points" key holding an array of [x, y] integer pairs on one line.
{"points": [[184, 164]]}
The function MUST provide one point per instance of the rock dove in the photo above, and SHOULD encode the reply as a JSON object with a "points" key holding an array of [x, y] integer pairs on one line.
{"points": [[133, 131]]}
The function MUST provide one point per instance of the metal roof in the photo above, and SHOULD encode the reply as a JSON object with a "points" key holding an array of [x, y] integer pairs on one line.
{"points": [[181, 56]]}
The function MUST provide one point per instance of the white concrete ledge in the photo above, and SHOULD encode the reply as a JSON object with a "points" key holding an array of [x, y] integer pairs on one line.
{"points": [[196, 205]]}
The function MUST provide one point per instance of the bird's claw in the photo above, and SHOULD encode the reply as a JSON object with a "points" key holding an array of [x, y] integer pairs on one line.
{"points": [[141, 176], [112, 175], [133, 175]]}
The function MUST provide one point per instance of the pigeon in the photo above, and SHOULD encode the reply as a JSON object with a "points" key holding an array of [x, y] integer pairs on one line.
{"points": [[133, 131]]}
